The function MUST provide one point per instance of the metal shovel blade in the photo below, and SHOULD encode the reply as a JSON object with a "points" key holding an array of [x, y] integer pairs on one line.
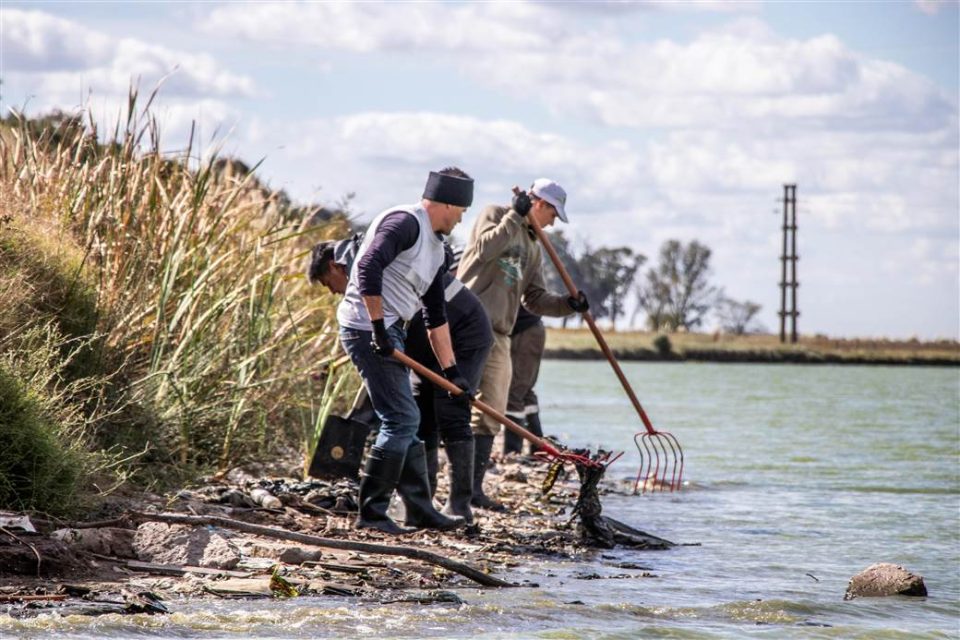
{"points": [[340, 449]]}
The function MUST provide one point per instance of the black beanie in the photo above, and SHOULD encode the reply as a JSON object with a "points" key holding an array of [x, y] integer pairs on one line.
{"points": [[449, 189]]}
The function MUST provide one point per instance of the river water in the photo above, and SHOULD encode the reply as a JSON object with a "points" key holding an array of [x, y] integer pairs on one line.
{"points": [[799, 477]]}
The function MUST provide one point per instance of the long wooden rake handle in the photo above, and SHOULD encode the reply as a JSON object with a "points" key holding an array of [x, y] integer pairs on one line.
{"points": [[446, 385], [572, 288]]}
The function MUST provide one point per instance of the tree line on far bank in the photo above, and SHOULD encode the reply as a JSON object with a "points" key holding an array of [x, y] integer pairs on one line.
{"points": [[675, 294]]}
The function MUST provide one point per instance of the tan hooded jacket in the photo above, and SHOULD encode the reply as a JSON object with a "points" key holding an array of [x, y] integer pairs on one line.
{"points": [[502, 265]]}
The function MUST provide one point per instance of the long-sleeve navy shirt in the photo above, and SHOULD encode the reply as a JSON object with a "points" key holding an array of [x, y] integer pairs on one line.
{"points": [[398, 231]]}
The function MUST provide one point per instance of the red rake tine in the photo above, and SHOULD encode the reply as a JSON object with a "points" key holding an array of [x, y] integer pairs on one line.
{"points": [[653, 446], [607, 461], [552, 453]]}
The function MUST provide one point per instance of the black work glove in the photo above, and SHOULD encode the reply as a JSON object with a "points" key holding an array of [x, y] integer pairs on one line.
{"points": [[452, 373], [381, 343], [521, 203], [580, 304]]}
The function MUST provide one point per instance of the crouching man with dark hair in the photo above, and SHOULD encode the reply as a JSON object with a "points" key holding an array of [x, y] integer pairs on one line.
{"points": [[330, 263]]}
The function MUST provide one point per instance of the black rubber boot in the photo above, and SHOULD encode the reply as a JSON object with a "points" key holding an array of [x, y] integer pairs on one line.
{"points": [[460, 463], [512, 443], [414, 489], [379, 479], [482, 447], [433, 467], [533, 426]]}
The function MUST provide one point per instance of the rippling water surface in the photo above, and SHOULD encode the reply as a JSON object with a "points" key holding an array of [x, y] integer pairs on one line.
{"points": [[799, 477]]}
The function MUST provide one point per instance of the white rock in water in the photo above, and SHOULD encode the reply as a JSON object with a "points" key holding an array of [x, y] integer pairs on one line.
{"points": [[885, 579]]}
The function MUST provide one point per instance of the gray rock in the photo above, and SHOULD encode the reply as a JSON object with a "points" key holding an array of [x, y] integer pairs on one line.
{"points": [[298, 555], [107, 541], [177, 544], [885, 579]]}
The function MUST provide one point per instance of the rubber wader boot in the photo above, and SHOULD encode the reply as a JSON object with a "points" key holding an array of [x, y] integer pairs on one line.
{"points": [[512, 443], [379, 479], [433, 466], [533, 426], [414, 489], [460, 464], [482, 447]]}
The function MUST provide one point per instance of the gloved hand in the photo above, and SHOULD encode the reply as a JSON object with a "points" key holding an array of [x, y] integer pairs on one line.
{"points": [[381, 343], [452, 373], [580, 304], [521, 203]]}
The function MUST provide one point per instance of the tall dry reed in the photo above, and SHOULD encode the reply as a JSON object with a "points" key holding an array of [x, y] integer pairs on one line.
{"points": [[202, 305]]}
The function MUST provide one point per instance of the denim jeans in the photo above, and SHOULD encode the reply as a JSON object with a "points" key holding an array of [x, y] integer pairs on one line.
{"points": [[388, 384]]}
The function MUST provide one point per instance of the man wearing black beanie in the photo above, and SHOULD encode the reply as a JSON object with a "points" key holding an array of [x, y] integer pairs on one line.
{"points": [[399, 270]]}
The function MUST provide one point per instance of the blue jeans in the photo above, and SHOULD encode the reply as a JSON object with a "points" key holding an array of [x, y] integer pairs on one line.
{"points": [[388, 384]]}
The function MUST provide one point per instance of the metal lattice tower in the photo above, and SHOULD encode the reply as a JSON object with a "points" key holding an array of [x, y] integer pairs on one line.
{"points": [[789, 244]]}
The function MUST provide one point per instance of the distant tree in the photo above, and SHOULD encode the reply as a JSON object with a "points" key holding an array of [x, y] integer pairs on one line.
{"points": [[737, 317], [565, 251], [608, 276], [662, 345], [677, 293], [54, 130]]}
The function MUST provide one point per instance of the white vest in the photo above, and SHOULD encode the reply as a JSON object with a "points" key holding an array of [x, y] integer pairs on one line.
{"points": [[405, 279]]}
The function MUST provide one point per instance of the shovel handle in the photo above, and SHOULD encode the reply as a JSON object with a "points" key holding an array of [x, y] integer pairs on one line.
{"points": [[572, 288], [448, 386]]}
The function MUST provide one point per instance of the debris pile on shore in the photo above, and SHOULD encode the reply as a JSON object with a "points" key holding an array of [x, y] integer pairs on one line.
{"points": [[108, 566]]}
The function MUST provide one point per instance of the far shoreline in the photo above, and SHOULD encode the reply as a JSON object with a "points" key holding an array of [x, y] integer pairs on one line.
{"points": [[641, 346]]}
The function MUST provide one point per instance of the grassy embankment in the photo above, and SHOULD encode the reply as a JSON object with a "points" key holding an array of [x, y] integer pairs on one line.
{"points": [[155, 321], [640, 345]]}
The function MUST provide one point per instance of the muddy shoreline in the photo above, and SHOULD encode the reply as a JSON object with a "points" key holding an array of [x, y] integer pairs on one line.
{"points": [[121, 564]]}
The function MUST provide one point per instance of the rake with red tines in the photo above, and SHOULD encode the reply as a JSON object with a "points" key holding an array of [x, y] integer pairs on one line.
{"points": [[661, 456], [546, 449]]}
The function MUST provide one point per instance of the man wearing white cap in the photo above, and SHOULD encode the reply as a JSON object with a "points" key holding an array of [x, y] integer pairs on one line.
{"points": [[502, 264]]}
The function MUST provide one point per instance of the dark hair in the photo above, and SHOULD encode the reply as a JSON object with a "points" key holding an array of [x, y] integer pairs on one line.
{"points": [[320, 259], [456, 172]]}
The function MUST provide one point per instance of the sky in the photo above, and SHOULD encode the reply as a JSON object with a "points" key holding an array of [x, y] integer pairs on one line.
{"points": [[661, 119]]}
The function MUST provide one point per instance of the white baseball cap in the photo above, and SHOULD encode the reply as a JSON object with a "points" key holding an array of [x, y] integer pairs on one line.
{"points": [[547, 189]]}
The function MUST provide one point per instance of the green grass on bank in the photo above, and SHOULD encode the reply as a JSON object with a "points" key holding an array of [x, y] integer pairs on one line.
{"points": [[758, 348], [155, 320]]}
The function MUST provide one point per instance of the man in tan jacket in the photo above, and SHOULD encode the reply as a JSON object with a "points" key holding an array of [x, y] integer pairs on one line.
{"points": [[502, 265]]}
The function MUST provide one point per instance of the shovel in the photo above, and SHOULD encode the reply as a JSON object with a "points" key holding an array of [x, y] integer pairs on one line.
{"points": [[546, 449], [340, 447], [655, 447]]}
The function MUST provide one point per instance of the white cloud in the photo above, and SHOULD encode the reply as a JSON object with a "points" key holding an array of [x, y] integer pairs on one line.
{"points": [[731, 76], [400, 27], [621, 7], [383, 155], [50, 56], [667, 138], [931, 7], [36, 41], [741, 76]]}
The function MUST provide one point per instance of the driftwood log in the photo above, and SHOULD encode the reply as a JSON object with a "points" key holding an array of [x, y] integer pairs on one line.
{"points": [[330, 543]]}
